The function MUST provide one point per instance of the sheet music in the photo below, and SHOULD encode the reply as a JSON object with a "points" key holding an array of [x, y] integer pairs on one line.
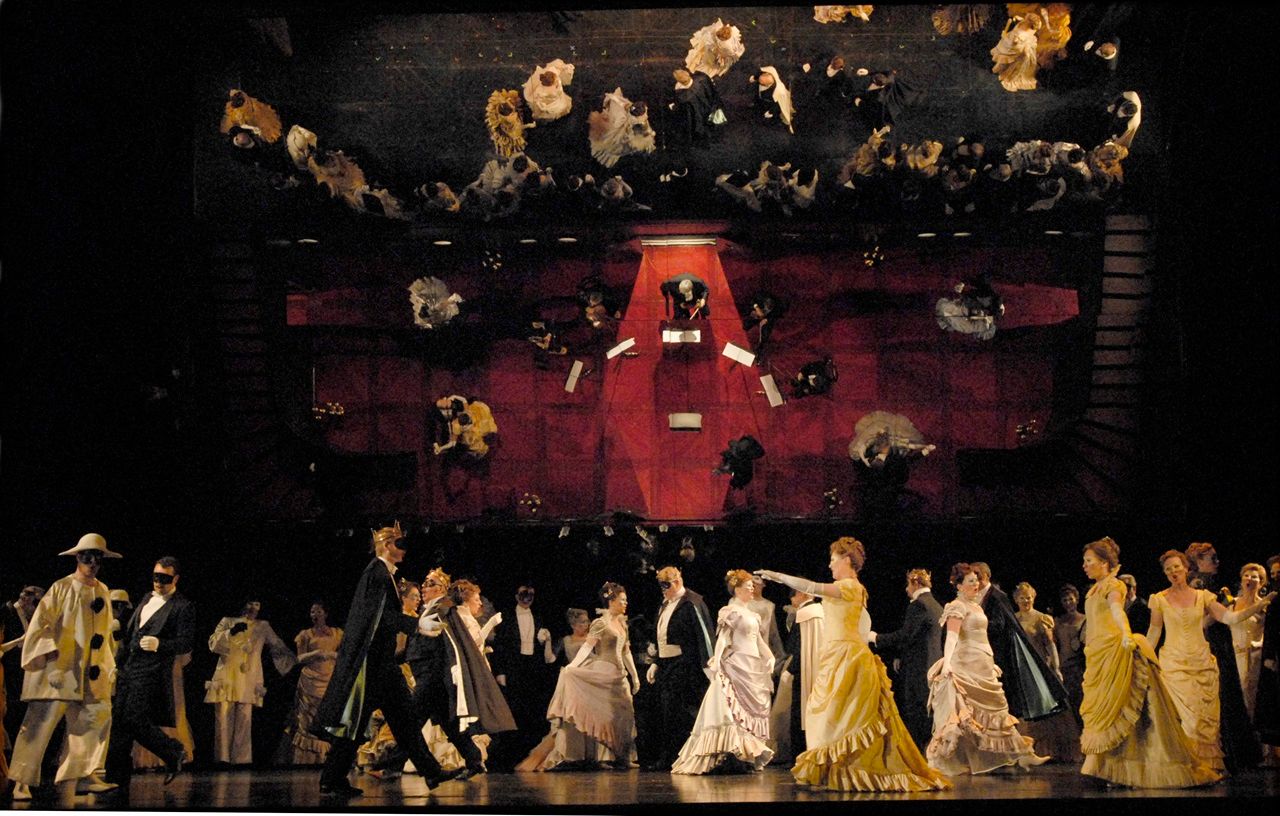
{"points": [[738, 355], [621, 347]]}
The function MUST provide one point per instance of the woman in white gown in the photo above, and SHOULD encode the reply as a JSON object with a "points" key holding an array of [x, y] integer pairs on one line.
{"points": [[621, 127], [1246, 634], [714, 49], [733, 722], [544, 91], [1015, 55], [591, 713], [973, 731]]}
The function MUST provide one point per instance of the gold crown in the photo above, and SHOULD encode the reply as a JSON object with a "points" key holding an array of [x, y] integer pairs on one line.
{"points": [[387, 535]]}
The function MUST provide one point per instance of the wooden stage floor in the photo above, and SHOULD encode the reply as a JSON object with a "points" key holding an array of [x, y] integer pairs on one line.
{"points": [[1050, 788]]}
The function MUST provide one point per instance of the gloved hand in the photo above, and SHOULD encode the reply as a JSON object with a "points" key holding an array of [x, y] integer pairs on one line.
{"points": [[149, 643], [543, 636], [237, 628], [56, 678], [652, 674], [496, 619], [502, 680]]}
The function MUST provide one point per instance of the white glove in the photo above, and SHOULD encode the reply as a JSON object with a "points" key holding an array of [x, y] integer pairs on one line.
{"points": [[949, 649], [56, 678], [114, 625], [149, 643], [495, 619], [871, 637], [651, 650], [652, 674], [543, 636], [502, 680]]}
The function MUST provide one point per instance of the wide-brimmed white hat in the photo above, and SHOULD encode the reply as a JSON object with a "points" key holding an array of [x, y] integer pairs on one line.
{"points": [[91, 541]]}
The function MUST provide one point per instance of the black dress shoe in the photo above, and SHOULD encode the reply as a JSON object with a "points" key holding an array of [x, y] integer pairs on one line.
{"points": [[172, 768], [344, 790], [435, 780]]}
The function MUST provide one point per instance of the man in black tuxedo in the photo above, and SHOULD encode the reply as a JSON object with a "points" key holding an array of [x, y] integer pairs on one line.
{"points": [[684, 647], [367, 676], [160, 629], [917, 645], [1032, 689], [1135, 609], [446, 666], [521, 654]]}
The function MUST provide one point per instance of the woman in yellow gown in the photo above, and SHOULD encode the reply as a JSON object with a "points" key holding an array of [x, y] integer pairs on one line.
{"points": [[857, 739], [1190, 669], [1131, 735]]}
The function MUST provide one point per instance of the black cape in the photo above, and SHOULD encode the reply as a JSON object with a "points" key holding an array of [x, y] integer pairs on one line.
{"points": [[342, 713], [691, 120], [1032, 689], [483, 694]]}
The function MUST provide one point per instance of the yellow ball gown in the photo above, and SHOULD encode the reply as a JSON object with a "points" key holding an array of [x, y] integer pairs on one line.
{"points": [[860, 742], [1132, 735]]}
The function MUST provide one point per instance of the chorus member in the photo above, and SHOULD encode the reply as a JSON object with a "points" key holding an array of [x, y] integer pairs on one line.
{"points": [[731, 731], [917, 645], [17, 616], [765, 608], [1068, 637], [973, 731], [592, 714], [620, 128], [238, 685], [1015, 55], [694, 109], [1266, 716], [803, 647], [159, 634], [772, 99], [70, 672], [366, 676], [1033, 690], [1037, 626], [684, 645], [1246, 634], [1131, 734], [454, 689], [1239, 741], [713, 49], [317, 650], [1135, 608], [544, 91], [506, 126], [857, 740], [1189, 668], [522, 651]]}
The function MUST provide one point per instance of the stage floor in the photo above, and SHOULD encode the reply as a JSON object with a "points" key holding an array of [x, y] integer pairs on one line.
{"points": [[1050, 786]]}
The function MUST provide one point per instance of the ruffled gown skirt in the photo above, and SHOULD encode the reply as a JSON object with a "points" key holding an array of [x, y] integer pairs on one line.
{"points": [[733, 721], [592, 719], [1132, 735], [860, 742], [973, 731]]}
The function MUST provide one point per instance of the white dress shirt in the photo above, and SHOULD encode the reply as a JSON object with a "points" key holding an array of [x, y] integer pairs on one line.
{"points": [[524, 617], [154, 601], [664, 619]]}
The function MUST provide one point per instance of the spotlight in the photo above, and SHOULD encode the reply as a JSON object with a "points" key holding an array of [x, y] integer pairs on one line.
{"points": [[927, 235], [1053, 232], [443, 242], [963, 234], [528, 240], [566, 239], [308, 241]]}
